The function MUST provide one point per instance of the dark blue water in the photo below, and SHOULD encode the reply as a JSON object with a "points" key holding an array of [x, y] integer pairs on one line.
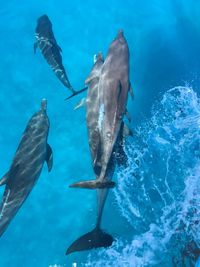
{"points": [[154, 211]]}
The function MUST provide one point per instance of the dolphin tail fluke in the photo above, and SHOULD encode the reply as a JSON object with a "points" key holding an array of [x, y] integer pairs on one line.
{"points": [[76, 93], [94, 239], [94, 184]]}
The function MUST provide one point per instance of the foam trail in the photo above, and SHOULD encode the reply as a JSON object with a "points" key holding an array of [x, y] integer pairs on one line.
{"points": [[159, 193]]}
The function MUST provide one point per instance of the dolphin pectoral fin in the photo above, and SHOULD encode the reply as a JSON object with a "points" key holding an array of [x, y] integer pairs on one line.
{"points": [[49, 157], [94, 239], [4, 179], [94, 184], [80, 103], [131, 91], [77, 93], [35, 47], [127, 131]]}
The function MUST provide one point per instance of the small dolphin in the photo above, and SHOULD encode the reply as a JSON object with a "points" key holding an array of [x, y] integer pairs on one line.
{"points": [[51, 51], [26, 167], [114, 86]]}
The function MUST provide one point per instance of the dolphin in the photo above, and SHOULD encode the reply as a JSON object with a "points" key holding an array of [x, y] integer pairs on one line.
{"points": [[114, 86], [26, 167], [98, 238], [51, 51]]}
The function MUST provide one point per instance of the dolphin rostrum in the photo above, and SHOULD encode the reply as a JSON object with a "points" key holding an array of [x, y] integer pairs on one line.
{"points": [[113, 86], [51, 51], [26, 167]]}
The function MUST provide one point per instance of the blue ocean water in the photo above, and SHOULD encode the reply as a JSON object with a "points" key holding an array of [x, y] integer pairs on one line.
{"points": [[154, 211]]}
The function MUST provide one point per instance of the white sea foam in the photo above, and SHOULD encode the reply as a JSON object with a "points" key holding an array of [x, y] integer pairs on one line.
{"points": [[159, 193]]}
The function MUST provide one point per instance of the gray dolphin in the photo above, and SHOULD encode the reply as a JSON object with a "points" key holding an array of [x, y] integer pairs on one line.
{"points": [[95, 238], [51, 51], [26, 167], [98, 238], [113, 86]]}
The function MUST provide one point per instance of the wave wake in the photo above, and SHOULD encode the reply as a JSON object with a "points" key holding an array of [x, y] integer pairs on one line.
{"points": [[159, 192]]}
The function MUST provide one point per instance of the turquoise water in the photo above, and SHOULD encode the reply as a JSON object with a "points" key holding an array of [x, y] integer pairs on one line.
{"points": [[154, 211]]}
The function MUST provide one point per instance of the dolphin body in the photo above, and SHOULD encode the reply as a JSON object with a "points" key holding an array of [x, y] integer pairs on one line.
{"points": [[113, 88], [26, 167], [51, 51], [105, 132], [92, 107], [95, 238]]}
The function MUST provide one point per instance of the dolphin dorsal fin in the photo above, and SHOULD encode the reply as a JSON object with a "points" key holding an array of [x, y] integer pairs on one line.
{"points": [[49, 157]]}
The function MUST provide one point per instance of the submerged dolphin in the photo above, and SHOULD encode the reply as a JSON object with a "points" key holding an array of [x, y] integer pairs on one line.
{"points": [[113, 86], [95, 238], [51, 51], [26, 167]]}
